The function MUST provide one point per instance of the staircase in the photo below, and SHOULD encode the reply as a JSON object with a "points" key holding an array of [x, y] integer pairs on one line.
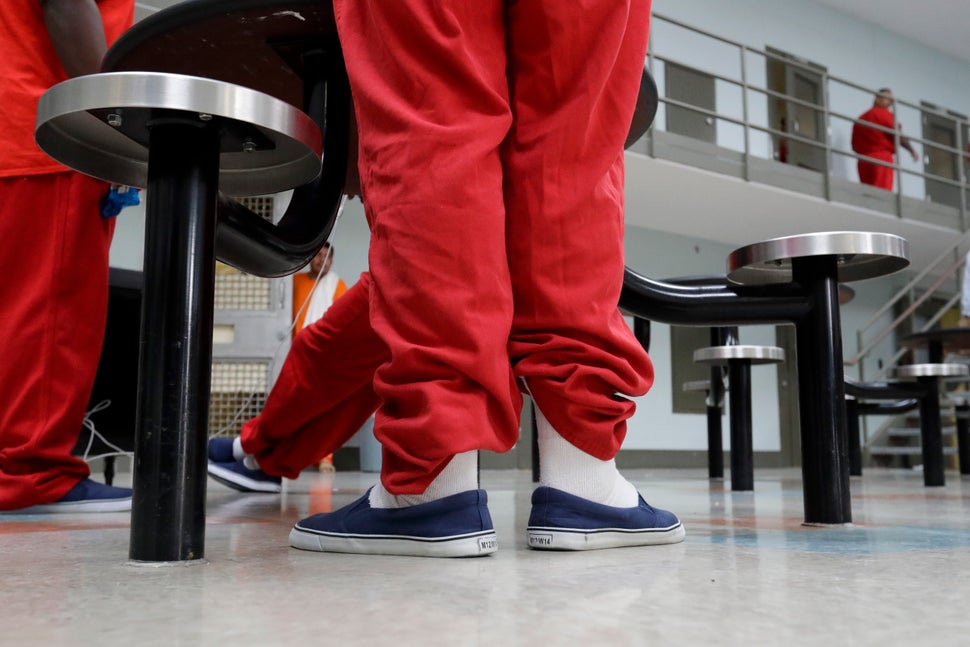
{"points": [[918, 306]]}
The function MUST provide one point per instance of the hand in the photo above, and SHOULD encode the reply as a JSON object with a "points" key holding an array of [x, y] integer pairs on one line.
{"points": [[915, 156]]}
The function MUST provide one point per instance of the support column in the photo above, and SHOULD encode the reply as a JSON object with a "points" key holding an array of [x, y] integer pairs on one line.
{"points": [[821, 390], [168, 506]]}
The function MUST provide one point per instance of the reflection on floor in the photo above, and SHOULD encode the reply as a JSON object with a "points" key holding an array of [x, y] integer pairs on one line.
{"points": [[749, 573]]}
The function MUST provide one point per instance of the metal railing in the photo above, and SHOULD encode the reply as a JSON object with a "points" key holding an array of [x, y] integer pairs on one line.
{"points": [[822, 112], [944, 273]]}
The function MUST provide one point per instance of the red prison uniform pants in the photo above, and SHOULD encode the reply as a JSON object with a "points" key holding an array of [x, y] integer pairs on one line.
{"points": [[324, 392], [491, 162], [54, 296], [876, 175]]}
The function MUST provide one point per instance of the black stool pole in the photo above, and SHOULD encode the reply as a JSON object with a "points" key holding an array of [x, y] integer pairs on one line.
{"points": [[931, 432], [855, 441], [168, 507], [742, 452], [821, 392], [963, 436]]}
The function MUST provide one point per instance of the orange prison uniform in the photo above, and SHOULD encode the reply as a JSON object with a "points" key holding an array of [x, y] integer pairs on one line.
{"points": [[54, 264], [877, 144]]}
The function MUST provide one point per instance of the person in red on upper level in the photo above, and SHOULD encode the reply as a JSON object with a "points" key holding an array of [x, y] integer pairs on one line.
{"points": [[878, 144], [54, 262]]}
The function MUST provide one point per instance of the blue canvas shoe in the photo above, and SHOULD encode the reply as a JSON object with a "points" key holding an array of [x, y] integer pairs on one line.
{"points": [[562, 521], [219, 450], [86, 496], [455, 526], [234, 473]]}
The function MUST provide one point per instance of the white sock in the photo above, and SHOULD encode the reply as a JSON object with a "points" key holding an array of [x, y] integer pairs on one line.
{"points": [[459, 475], [565, 467], [249, 461]]}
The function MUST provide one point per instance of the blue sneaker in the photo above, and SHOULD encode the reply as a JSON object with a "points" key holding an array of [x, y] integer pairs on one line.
{"points": [[219, 450], [86, 496], [455, 526], [562, 521], [232, 473]]}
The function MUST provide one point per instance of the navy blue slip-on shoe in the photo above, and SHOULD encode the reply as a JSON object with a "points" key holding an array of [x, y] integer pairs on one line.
{"points": [[86, 496], [239, 477], [219, 449], [455, 526], [562, 521]]}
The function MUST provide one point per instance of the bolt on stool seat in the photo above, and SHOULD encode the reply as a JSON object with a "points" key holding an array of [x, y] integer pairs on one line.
{"points": [[739, 359], [183, 138]]}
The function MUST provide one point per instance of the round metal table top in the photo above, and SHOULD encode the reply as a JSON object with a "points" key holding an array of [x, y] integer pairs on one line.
{"points": [[860, 255], [932, 370], [99, 125], [753, 354]]}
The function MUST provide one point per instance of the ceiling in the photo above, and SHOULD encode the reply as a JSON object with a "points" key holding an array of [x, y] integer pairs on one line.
{"points": [[940, 24]]}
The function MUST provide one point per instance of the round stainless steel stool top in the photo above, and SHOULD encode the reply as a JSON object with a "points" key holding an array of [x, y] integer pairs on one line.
{"points": [[754, 354], [861, 255], [99, 125], [932, 370]]}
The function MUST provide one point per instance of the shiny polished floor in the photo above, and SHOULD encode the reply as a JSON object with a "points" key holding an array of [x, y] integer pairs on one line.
{"points": [[749, 573]]}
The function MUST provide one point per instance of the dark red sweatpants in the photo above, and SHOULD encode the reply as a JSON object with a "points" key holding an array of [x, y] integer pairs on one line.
{"points": [[491, 160], [876, 175], [54, 296]]}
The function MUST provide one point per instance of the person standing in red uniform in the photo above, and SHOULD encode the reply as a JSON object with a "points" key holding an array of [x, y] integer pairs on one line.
{"points": [[878, 144], [491, 162], [54, 263]]}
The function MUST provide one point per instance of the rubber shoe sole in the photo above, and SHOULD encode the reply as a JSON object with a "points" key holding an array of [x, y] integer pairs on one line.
{"points": [[95, 505], [86, 496], [562, 521], [227, 474], [455, 526]]}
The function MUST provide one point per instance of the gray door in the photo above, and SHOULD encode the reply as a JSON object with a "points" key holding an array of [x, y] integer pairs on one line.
{"points": [[797, 107], [250, 338], [806, 86], [696, 88], [937, 161]]}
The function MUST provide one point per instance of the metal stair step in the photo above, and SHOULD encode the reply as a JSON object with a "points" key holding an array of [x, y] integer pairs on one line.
{"points": [[911, 450]]}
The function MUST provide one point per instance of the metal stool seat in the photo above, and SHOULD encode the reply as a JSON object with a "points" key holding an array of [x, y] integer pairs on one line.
{"points": [[101, 125], [793, 279], [182, 137], [931, 427], [739, 358], [919, 383]]}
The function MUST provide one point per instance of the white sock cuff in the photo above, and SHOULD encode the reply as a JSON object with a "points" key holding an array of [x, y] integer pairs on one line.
{"points": [[459, 475], [565, 467]]}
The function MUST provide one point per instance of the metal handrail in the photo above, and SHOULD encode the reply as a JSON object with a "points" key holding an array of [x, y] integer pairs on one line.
{"points": [[823, 109], [947, 270]]}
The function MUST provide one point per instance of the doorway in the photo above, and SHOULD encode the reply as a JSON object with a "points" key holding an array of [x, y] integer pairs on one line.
{"points": [[942, 127], [696, 88], [797, 107]]}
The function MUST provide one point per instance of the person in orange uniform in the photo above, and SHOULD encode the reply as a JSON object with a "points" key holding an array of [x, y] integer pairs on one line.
{"points": [[316, 290], [878, 144], [54, 262]]}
